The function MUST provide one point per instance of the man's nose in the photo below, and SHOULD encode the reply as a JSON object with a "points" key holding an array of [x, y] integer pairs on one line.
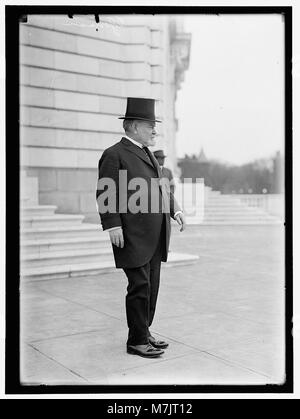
{"points": [[153, 131]]}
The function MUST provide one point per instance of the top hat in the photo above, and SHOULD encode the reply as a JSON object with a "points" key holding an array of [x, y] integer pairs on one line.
{"points": [[140, 108], [159, 153]]}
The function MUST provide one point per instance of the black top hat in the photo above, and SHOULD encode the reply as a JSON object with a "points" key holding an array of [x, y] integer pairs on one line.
{"points": [[140, 108], [159, 153]]}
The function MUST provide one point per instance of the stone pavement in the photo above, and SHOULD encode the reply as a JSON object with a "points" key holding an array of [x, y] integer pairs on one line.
{"points": [[223, 317]]}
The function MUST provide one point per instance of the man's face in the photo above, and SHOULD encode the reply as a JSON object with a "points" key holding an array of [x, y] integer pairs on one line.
{"points": [[161, 160], [146, 132]]}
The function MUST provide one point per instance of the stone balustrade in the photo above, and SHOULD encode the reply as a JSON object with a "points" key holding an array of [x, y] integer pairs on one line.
{"points": [[271, 203]]}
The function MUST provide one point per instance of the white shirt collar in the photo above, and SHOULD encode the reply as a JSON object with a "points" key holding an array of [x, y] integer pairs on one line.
{"points": [[133, 141]]}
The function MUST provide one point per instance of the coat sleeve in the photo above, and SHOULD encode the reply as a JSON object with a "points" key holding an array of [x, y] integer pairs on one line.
{"points": [[174, 207], [108, 168]]}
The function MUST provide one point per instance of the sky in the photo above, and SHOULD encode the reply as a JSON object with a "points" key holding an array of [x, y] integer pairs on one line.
{"points": [[231, 101]]}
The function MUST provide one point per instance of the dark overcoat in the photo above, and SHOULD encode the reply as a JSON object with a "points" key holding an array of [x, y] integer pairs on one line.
{"points": [[141, 229]]}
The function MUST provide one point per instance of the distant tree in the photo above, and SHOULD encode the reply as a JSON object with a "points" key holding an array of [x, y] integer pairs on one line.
{"points": [[255, 176], [278, 178]]}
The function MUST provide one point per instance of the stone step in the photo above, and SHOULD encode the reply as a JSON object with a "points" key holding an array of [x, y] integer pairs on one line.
{"points": [[231, 214], [56, 245], [240, 222], [239, 216], [229, 206], [217, 203], [225, 202], [67, 257], [229, 210], [222, 198], [98, 268], [197, 221], [38, 210], [80, 230], [234, 213], [50, 220]]}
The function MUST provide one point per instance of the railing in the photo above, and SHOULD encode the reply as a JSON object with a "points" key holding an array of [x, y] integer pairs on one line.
{"points": [[271, 203]]}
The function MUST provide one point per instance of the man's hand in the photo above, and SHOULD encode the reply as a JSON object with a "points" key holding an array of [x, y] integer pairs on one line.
{"points": [[180, 218], [116, 237]]}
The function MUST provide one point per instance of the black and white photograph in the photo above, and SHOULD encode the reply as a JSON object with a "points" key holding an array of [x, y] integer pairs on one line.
{"points": [[153, 153]]}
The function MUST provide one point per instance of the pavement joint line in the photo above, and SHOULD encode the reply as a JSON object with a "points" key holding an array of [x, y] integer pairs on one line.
{"points": [[226, 361], [56, 362], [194, 349], [155, 361], [81, 305], [99, 330], [212, 348], [197, 350], [205, 352], [69, 277], [117, 318], [62, 336], [216, 356]]}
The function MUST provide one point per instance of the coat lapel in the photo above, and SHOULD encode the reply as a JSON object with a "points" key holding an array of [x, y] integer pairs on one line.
{"points": [[156, 165], [141, 154]]}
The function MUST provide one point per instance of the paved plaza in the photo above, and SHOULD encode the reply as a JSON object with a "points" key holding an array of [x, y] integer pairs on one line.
{"points": [[223, 317]]}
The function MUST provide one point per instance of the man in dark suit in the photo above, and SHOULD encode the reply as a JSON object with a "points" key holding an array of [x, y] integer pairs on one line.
{"points": [[135, 207], [166, 173]]}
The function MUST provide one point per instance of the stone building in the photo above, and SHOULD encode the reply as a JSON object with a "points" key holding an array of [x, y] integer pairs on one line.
{"points": [[75, 75]]}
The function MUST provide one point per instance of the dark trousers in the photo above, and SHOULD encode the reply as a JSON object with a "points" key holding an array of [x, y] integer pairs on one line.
{"points": [[142, 291]]}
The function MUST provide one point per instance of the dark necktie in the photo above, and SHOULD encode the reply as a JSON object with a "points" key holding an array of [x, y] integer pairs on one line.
{"points": [[151, 158]]}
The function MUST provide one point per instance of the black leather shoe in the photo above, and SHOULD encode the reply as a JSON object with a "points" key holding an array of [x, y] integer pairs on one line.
{"points": [[146, 351], [159, 344]]}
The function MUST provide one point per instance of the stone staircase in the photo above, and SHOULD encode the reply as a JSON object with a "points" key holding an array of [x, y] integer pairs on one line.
{"points": [[228, 210], [54, 246]]}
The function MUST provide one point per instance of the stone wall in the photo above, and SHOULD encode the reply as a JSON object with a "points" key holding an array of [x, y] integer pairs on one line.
{"points": [[75, 78], [71, 189]]}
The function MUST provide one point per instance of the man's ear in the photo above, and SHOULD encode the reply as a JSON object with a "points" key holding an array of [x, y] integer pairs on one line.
{"points": [[135, 126]]}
